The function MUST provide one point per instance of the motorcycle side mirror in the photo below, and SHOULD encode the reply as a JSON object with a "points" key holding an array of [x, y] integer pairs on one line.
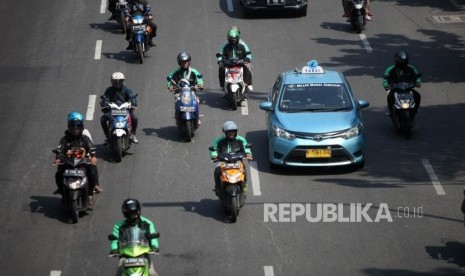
{"points": [[55, 151], [211, 149], [153, 236], [218, 55], [169, 78], [112, 237]]}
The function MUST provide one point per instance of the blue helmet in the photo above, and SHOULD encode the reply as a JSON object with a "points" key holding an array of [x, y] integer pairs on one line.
{"points": [[75, 123]]}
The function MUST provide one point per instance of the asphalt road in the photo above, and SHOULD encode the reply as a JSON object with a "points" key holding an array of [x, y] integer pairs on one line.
{"points": [[48, 68]]}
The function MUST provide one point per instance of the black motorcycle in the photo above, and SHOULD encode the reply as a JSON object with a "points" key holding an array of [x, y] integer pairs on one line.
{"points": [[403, 109], [75, 180], [357, 15]]}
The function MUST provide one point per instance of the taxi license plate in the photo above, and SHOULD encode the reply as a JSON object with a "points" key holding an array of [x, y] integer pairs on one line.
{"points": [[318, 153]]}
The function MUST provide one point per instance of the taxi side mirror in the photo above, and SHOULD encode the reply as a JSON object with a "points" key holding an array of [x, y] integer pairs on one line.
{"points": [[362, 104], [267, 106]]}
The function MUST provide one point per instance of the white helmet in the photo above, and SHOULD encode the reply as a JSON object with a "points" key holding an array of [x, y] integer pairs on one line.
{"points": [[117, 76], [229, 125]]}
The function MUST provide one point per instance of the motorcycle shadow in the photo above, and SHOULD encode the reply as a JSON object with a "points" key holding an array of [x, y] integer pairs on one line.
{"points": [[342, 27], [170, 133], [214, 98], [127, 56], [109, 26], [51, 207]]}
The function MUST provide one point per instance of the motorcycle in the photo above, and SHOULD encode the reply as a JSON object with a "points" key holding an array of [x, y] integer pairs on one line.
{"points": [[120, 128], [186, 109], [121, 6], [134, 251], [357, 15], [403, 110], [233, 181], [234, 85], [139, 35], [75, 188]]}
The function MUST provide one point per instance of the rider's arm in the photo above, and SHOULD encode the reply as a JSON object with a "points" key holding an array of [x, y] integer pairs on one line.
{"points": [[417, 76], [221, 51], [61, 148], [171, 76], [152, 230], [386, 80], [90, 148], [214, 154], [198, 77], [244, 142], [114, 244], [248, 57], [129, 95], [147, 9]]}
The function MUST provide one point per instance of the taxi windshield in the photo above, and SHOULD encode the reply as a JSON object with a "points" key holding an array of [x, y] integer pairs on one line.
{"points": [[315, 97]]}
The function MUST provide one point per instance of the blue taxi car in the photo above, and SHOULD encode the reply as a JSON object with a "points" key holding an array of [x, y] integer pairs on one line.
{"points": [[313, 119]]}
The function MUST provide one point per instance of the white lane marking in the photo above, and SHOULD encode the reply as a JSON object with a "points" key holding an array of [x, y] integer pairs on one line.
{"points": [[98, 49], [245, 108], [91, 108], [364, 39], [255, 179], [103, 6], [268, 270], [230, 6], [55, 273], [432, 175]]}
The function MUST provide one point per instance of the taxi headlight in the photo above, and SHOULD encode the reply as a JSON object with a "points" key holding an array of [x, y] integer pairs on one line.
{"points": [[281, 133], [353, 132]]}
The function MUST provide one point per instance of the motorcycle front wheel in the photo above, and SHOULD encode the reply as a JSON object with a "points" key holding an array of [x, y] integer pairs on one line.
{"points": [[188, 130], [233, 208], [118, 149], [140, 51]]}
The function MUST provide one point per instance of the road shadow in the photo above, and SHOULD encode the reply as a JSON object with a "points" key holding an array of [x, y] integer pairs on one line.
{"points": [[448, 6], [340, 27], [109, 26], [238, 12], [452, 251], [206, 207], [170, 133], [408, 272]]}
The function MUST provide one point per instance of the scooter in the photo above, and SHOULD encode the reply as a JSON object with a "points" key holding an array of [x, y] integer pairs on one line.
{"points": [[134, 251], [233, 181], [139, 35], [75, 188], [357, 15], [403, 110], [120, 128], [186, 109], [234, 86]]}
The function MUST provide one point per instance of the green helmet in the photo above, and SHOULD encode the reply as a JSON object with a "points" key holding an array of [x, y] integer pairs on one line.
{"points": [[233, 34]]}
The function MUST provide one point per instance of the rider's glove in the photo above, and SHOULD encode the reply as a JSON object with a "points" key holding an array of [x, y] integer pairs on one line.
{"points": [[387, 88], [249, 157], [114, 251], [417, 84], [171, 88]]}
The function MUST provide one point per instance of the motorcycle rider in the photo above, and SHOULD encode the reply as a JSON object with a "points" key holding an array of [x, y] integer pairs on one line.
{"points": [[132, 217], [72, 139], [118, 92], [144, 7], [230, 142], [401, 71], [347, 6], [185, 72], [235, 47]]}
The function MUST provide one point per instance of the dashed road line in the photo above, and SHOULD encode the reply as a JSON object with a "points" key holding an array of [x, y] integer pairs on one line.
{"points": [[55, 273], [255, 179], [91, 108], [103, 6], [230, 6], [434, 179], [98, 49], [364, 39], [245, 108], [268, 270]]}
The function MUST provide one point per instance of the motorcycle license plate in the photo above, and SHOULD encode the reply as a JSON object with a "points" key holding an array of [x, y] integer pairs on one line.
{"points": [[119, 112], [276, 2], [134, 262], [73, 173], [139, 28], [187, 109], [318, 153]]}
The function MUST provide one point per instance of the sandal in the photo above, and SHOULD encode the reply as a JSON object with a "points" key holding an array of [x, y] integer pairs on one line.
{"points": [[97, 189]]}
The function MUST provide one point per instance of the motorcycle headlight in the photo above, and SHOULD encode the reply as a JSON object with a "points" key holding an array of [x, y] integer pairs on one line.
{"points": [[353, 132], [137, 20], [186, 98], [74, 183], [233, 178], [229, 78], [405, 105], [120, 124], [281, 133]]}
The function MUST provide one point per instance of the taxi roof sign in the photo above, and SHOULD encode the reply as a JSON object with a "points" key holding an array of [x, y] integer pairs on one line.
{"points": [[312, 67]]}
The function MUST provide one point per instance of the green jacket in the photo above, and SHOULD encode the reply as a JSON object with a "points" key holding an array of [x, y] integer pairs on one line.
{"points": [[395, 75], [194, 77], [223, 146], [144, 224]]}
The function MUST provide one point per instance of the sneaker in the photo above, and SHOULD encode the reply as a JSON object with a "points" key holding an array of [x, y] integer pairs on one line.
{"points": [[250, 87], [129, 46], [91, 201], [367, 17], [369, 13], [345, 15], [133, 138]]}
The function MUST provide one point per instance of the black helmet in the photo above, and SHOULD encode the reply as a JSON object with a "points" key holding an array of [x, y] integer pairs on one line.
{"points": [[401, 59], [183, 56], [131, 208]]}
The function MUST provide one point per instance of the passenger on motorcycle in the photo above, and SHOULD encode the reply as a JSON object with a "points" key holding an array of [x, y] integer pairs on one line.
{"points": [[235, 47], [346, 6], [230, 142], [74, 139], [112, 9], [401, 71], [118, 92], [132, 216], [185, 72], [144, 7]]}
